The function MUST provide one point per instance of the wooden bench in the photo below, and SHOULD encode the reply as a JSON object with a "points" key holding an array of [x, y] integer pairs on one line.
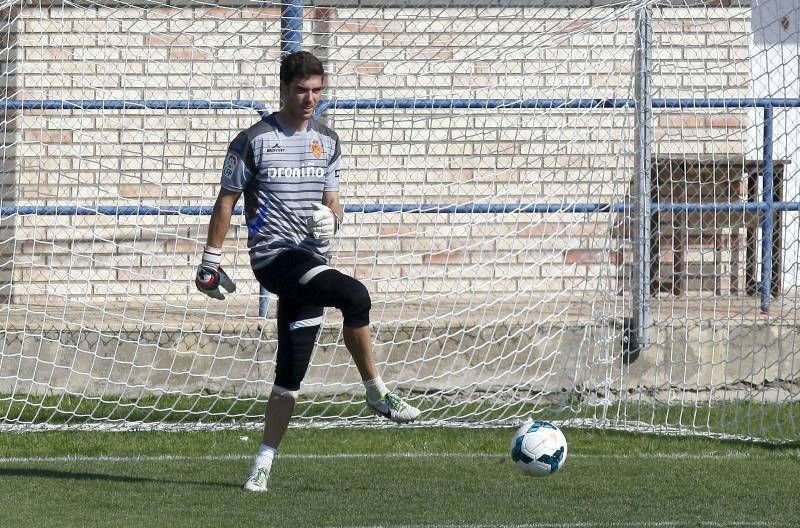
{"points": [[676, 235]]}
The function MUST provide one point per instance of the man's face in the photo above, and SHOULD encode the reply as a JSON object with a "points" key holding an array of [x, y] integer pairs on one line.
{"points": [[301, 96]]}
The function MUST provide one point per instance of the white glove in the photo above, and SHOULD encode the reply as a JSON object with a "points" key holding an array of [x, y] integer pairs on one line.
{"points": [[323, 224], [210, 275]]}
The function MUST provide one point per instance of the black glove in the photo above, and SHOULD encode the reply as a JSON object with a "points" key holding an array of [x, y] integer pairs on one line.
{"points": [[210, 275]]}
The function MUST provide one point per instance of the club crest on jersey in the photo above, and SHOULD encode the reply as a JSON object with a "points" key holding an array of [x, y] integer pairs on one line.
{"points": [[316, 148], [230, 164]]}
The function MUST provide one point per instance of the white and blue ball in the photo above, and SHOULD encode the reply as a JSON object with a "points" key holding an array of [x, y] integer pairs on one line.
{"points": [[539, 448]]}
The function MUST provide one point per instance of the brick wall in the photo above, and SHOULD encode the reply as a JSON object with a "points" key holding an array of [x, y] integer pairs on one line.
{"points": [[449, 156]]}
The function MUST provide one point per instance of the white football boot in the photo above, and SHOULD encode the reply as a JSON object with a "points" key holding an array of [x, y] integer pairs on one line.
{"points": [[257, 481], [393, 408]]}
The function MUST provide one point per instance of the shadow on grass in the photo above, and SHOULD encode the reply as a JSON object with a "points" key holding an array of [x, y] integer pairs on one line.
{"points": [[79, 475]]}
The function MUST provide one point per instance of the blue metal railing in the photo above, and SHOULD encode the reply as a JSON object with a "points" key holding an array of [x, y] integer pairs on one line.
{"points": [[678, 104], [206, 210], [131, 104], [767, 206], [768, 198]]}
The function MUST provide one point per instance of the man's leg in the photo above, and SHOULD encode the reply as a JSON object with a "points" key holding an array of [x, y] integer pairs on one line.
{"points": [[379, 399], [299, 275], [298, 326], [359, 343], [280, 407], [326, 286]]}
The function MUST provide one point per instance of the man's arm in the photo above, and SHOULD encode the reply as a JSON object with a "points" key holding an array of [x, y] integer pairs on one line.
{"points": [[331, 199], [221, 217], [210, 275]]}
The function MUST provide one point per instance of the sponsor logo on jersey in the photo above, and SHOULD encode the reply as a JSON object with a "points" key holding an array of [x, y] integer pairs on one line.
{"points": [[230, 164], [275, 148], [295, 172], [316, 148]]}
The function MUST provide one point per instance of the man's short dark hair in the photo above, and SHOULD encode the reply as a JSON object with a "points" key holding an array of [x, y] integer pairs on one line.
{"points": [[300, 64]]}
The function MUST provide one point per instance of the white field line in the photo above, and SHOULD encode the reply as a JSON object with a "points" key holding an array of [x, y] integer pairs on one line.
{"points": [[728, 455], [584, 524]]}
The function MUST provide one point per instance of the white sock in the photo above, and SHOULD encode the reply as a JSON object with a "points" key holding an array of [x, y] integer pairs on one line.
{"points": [[265, 456], [375, 388]]}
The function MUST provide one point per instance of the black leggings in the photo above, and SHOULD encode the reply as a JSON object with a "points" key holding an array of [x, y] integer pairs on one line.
{"points": [[305, 285]]}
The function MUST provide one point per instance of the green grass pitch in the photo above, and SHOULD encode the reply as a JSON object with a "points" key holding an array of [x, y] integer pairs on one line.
{"points": [[393, 477]]}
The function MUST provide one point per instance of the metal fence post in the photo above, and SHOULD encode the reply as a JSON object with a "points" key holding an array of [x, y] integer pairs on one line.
{"points": [[642, 210]]}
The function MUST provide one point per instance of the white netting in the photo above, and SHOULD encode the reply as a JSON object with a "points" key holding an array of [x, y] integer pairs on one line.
{"points": [[480, 317]]}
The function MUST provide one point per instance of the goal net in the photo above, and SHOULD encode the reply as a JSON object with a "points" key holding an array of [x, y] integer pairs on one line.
{"points": [[581, 211]]}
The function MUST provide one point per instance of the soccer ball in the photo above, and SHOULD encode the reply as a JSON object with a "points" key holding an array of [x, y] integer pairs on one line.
{"points": [[539, 448]]}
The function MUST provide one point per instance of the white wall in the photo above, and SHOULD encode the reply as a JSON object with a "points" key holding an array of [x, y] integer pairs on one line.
{"points": [[775, 63]]}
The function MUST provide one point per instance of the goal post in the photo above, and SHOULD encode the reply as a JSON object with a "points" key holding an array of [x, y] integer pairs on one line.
{"points": [[497, 202]]}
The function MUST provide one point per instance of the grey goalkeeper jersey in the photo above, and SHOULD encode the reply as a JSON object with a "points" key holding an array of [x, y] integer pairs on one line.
{"points": [[281, 173]]}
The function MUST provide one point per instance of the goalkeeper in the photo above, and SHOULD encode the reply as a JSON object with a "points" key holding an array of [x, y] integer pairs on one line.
{"points": [[287, 167]]}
